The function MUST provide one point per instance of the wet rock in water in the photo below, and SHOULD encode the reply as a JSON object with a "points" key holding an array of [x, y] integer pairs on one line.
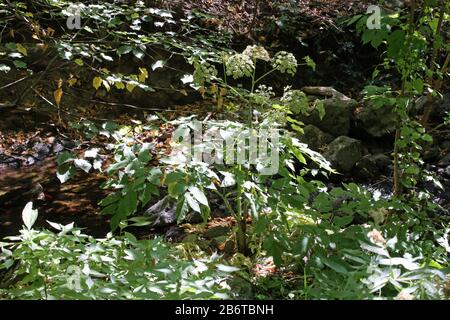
{"points": [[376, 121], [431, 152], [441, 107], [314, 137], [447, 171], [366, 168], [338, 111], [381, 160], [344, 153], [163, 213], [372, 165], [446, 145], [445, 161]]}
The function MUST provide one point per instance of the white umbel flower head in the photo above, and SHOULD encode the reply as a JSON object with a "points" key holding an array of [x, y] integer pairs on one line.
{"points": [[285, 62], [239, 65], [257, 52]]}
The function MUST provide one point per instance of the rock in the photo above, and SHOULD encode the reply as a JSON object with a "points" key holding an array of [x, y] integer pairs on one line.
{"points": [[445, 161], [69, 144], [430, 152], [57, 147], [314, 137], [9, 163], [366, 168], [30, 161], [41, 149], [441, 107], [372, 165], [216, 231], [376, 121], [193, 217], [174, 233], [338, 111], [163, 213], [447, 171], [381, 160], [446, 145], [344, 153]]}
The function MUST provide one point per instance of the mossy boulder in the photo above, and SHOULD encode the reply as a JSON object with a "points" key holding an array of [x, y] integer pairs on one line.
{"points": [[315, 138], [344, 153], [338, 110]]}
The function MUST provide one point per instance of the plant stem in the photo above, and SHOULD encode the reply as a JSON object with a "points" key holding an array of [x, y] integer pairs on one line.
{"points": [[397, 186], [264, 75], [432, 67]]}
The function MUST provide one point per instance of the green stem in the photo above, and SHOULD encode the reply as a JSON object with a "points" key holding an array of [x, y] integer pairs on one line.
{"points": [[264, 75], [225, 200]]}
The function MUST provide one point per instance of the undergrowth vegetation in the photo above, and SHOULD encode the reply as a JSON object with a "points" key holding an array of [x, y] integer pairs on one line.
{"points": [[292, 236]]}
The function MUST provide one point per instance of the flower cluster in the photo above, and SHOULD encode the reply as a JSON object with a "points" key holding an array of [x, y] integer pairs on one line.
{"points": [[239, 65], [285, 62], [295, 100], [203, 71], [257, 52]]}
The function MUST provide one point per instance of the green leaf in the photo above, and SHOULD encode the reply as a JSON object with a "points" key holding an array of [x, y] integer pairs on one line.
{"points": [[334, 264], [310, 62], [128, 204], [225, 268], [343, 221], [112, 198], [97, 82], [124, 50], [20, 64], [65, 175], [158, 64], [198, 195], [64, 157], [83, 165], [182, 209], [192, 203], [29, 215]]}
